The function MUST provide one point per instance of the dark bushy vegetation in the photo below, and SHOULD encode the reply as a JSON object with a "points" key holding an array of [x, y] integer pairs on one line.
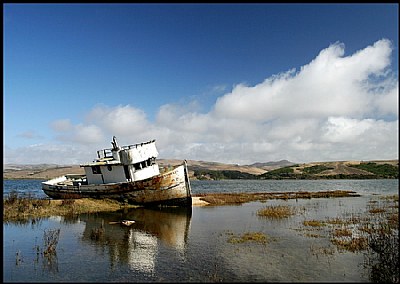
{"points": [[382, 258], [380, 170], [225, 174], [281, 173], [349, 176], [382, 255]]}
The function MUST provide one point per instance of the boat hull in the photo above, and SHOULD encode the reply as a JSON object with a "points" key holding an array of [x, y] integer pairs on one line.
{"points": [[171, 188]]}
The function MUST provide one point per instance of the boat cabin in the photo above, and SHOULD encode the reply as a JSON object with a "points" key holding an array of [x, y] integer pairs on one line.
{"points": [[123, 164]]}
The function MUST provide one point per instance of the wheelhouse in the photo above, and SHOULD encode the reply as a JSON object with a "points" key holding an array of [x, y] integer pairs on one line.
{"points": [[123, 164]]}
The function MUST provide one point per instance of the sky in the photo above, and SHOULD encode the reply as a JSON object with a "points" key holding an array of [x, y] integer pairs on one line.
{"points": [[229, 83]]}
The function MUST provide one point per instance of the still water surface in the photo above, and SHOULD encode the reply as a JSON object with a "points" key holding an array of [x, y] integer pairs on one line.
{"points": [[179, 245], [365, 187]]}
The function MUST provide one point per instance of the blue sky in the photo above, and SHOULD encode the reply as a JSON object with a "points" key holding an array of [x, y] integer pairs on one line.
{"points": [[233, 83]]}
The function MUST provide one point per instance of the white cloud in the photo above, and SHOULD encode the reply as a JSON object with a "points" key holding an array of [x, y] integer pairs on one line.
{"points": [[330, 85], [336, 107], [340, 129], [118, 119], [387, 102]]}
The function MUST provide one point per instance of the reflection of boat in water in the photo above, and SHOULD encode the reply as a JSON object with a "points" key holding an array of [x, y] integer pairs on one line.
{"points": [[138, 244], [169, 224]]}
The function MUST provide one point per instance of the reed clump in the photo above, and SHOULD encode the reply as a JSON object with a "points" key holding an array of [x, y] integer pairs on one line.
{"points": [[337, 221], [276, 212], [313, 223], [97, 233], [342, 233], [51, 238], [257, 237], [351, 244], [22, 207], [382, 254], [375, 233]]}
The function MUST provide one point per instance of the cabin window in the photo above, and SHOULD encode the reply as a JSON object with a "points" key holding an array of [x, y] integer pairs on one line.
{"points": [[96, 170], [109, 167]]}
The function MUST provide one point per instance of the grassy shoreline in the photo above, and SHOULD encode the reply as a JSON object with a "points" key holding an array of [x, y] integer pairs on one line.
{"points": [[24, 207]]}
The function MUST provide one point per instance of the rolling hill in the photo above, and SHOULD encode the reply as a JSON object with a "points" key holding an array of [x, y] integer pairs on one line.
{"points": [[212, 170]]}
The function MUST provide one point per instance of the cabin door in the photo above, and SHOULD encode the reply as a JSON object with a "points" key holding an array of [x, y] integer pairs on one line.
{"points": [[127, 173]]}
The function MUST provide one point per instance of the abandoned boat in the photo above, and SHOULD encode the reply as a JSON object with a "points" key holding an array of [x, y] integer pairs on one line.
{"points": [[128, 174]]}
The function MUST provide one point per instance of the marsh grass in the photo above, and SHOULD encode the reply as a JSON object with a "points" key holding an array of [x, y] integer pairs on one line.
{"points": [[382, 257], [377, 210], [97, 233], [48, 252], [51, 238], [337, 221], [313, 223], [18, 258], [19, 207], [319, 250], [311, 235], [393, 220], [276, 212], [355, 244], [342, 233], [257, 237], [375, 233]]}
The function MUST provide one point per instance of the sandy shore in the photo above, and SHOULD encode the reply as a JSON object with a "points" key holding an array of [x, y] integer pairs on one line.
{"points": [[197, 202]]}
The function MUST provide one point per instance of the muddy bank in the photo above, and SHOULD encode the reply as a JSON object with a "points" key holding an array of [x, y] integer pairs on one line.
{"points": [[238, 198]]}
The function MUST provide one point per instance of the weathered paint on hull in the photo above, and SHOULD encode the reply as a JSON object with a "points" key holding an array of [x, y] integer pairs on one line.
{"points": [[170, 188]]}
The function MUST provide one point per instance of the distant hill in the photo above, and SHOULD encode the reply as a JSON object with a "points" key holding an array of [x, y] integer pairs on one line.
{"points": [[272, 165], [40, 171], [212, 170], [214, 166], [337, 170]]}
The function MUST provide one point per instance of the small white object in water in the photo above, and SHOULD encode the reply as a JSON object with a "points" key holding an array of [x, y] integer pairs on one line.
{"points": [[127, 222]]}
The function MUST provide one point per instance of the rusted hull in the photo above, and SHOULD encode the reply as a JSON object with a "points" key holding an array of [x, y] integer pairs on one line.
{"points": [[170, 188]]}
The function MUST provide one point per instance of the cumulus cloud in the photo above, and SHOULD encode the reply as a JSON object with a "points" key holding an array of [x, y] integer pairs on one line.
{"points": [[336, 107], [386, 100], [330, 85], [118, 119]]}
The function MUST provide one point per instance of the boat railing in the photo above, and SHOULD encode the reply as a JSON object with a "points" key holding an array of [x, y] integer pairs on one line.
{"points": [[75, 176], [107, 153], [137, 145]]}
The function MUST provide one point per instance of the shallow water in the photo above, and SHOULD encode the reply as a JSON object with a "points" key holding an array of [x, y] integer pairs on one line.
{"points": [[179, 245], [365, 187]]}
